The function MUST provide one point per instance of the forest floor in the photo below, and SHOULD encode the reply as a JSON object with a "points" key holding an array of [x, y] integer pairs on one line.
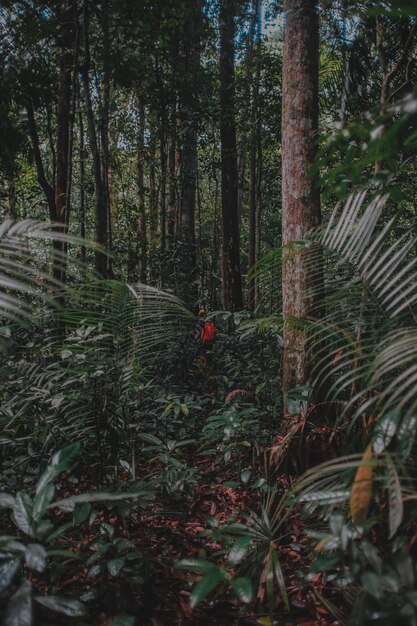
{"points": [[168, 533]]}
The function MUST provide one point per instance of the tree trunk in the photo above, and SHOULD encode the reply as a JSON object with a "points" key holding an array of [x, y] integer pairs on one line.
{"points": [[100, 196], [82, 183], [253, 150], [300, 193], [142, 235], [231, 277]]}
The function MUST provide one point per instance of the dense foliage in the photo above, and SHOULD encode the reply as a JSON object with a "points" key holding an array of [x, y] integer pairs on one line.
{"points": [[148, 476]]}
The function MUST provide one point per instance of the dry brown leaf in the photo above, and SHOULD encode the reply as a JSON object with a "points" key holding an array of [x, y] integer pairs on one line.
{"points": [[362, 489]]}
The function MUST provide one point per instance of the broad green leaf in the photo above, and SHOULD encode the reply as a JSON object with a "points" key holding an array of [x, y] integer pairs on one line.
{"points": [[148, 438], [61, 462], [66, 606], [196, 565], [185, 410], [372, 555], [8, 569], [82, 512], [394, 497], [245, 475], [123, 620], [35, 557], [22, 512], [243, 589], [371, 582], [206, 585], [42, 500], [384, 431], [239, 550], [115, 566], [19, 607]]}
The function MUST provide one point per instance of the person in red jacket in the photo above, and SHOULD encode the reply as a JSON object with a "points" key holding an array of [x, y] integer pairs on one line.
{"points": [[205, 336]]}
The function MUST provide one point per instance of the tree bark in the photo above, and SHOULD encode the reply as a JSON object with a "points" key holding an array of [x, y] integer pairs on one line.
{"points": [[100, 196], [231, 274], [253, 151], [142, 234], [300, 193]]}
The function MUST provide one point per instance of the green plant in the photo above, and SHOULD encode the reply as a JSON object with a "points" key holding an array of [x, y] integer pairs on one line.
{"points": [[169, 473], [41, 542], [232, 430], [250, 554], [377, 585]]}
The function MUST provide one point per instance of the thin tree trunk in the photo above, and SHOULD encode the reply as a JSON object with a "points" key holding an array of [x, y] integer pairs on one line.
{"points": [[163, 182], [40, 170], [104, 131], [142, 234], [300, 194], [82, 183], [100, 197], [153, 203], [231, 277]]}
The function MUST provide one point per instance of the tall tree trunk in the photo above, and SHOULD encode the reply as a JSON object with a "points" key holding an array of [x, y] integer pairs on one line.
{"points": [[231, 277], [253, 149], [82, 183], [100, 196], [300, 194], [174, 160], [104, 132], [142, 235], [153, 203], [163, 181], [188, 100]]}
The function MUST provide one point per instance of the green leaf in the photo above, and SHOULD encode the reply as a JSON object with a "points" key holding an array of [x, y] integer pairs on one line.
{"points": [[42, 500], [245, 475], [6, 501], [404, 566], [239, 550], [394, 497], [81, 512], [206, 585], [371, 583], [19, 607], [66, 606], [243, 589], [276, 564], [59, 531], [68, 554], [8, 569], [148, 438], [115, 566], [61, 462], [384, 431], [35, 557], [68, 504], [196, 565], [123, 620], [22, 512]]}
